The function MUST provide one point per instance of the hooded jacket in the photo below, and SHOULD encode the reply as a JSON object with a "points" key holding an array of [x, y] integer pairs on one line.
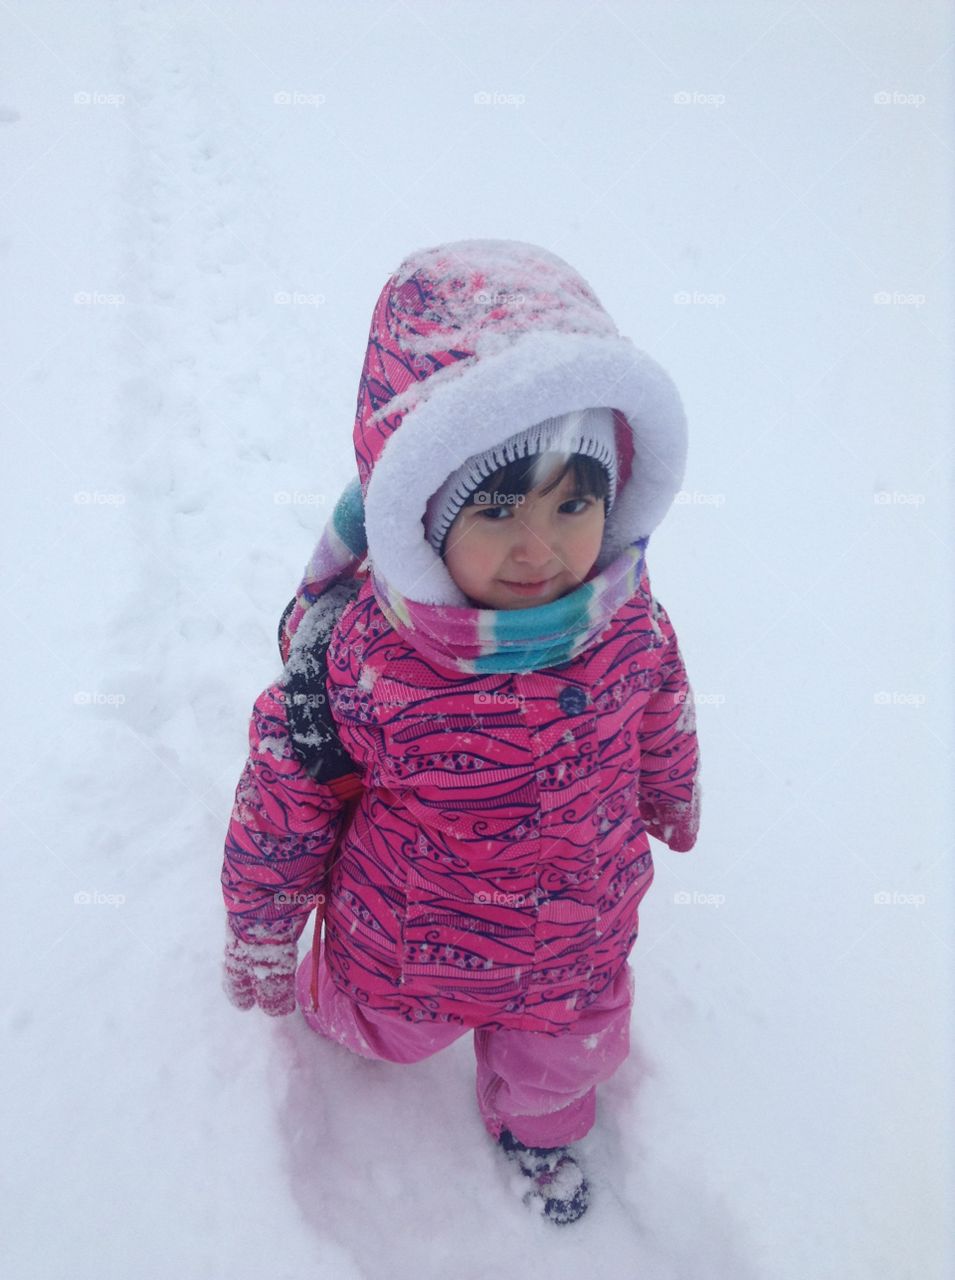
{"points": [[468, 792]]}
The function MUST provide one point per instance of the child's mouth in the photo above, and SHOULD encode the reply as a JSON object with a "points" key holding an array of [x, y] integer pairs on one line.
{"points": [[528, 588]]}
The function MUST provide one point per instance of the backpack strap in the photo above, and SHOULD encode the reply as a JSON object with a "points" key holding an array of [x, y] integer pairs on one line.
{"points": [[312, 728]]}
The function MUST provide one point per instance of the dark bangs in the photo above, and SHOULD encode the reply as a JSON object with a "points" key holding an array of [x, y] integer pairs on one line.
{"points": [[514, 480]]}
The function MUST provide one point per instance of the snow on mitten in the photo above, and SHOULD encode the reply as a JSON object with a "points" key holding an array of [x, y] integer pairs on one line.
{"points": [[676, 826], [260, 972]]}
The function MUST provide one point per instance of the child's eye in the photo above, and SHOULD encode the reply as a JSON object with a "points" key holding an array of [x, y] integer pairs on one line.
{"points": [[491, 512], [580, 510]]}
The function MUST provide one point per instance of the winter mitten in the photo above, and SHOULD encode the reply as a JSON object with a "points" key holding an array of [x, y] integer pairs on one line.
{"points": [[260, 972], [676, 828], [558, 1188]]}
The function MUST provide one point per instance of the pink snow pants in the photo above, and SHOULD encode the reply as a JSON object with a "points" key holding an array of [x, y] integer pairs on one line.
{"points": [[540, 1087]]}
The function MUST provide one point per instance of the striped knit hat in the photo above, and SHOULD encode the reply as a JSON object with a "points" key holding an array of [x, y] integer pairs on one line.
{"points": [[586, 431]]}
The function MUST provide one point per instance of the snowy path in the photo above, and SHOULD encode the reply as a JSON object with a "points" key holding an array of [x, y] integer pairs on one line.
{"points": [[174, 453]]}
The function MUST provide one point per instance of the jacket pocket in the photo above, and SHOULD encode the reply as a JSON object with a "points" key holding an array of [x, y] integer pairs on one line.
{"points": [[471, 941]]}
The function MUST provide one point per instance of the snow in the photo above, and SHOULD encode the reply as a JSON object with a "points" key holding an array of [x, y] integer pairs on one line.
{"points": [[496, 276], [318, 622], [173, 442], [274, 747]]}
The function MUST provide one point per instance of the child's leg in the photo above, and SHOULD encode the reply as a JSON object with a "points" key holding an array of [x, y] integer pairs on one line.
{"points": [[542, 1087], [363, 1031]]}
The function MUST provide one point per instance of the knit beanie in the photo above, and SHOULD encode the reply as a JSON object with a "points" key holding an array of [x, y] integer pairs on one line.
{"points": [[586, 431]]}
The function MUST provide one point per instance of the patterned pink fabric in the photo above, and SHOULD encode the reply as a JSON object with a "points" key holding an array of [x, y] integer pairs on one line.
{"points": [[494, 849]]}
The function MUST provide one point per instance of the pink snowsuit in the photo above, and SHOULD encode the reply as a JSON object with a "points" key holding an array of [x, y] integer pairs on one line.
{"points": [[483, 851]]}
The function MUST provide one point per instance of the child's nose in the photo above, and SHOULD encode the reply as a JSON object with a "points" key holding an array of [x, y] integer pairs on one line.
{"points": [[532, 544]]}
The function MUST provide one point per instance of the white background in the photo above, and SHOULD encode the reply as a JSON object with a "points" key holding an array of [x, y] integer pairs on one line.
{"points": [[760, 194]]}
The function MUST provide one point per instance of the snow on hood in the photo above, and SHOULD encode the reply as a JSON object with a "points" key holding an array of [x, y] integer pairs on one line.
{"points": [[471, 342]]}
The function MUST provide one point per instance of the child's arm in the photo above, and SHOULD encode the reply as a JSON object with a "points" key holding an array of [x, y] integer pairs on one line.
{"points": [[284, 829], [670, 790]]}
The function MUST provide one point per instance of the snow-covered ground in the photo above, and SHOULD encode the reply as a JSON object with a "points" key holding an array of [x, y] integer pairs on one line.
{"points": [[761, 196]]}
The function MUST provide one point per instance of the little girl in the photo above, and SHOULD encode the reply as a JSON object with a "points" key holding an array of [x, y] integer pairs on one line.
{"points": [[483, 710]]}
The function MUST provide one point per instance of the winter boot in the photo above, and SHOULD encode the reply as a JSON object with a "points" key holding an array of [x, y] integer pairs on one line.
{"points": [[558, 1187]]}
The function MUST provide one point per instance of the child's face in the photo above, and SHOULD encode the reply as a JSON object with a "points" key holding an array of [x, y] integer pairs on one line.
{"points": [[551, 540]]}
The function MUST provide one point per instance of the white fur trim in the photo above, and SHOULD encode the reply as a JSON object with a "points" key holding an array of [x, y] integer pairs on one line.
{"points": [[538, 375]]}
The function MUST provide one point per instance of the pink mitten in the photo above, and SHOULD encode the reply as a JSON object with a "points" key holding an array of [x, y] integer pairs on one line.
{"points": [[260, 972], [677, 826]]}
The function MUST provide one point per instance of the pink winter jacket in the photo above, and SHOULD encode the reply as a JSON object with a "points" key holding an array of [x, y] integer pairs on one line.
{"points": [[479, 838]]}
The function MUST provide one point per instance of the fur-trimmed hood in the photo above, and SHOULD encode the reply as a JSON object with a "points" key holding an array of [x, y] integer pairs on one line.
{"points": [[470, 342]]}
